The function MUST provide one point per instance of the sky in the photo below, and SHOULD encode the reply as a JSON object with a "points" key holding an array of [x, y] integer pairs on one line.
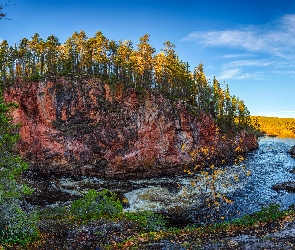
{"points": [[249, 45]]}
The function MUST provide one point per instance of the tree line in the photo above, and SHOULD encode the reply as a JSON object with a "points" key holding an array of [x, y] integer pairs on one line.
{"points": [[119, 63], [274, 126]]}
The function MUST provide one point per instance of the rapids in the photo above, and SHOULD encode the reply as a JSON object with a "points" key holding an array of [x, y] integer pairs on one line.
{"points": [[214, 194]]}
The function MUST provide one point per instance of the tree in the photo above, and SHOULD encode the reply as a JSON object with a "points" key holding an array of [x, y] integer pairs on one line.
{"points": [[228, 121], [203, 90], [99, 45], [51, 57], [123, 62], [2, 14], [16, 224], [144, 58], [123, 67], [37, 47]]}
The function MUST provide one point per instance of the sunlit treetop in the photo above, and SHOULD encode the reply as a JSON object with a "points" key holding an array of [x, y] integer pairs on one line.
{"points": [[120, 64]]}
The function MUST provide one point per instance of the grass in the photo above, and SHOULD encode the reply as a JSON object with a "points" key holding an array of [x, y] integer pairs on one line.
{"points": [[150, 227], [213, 232]]}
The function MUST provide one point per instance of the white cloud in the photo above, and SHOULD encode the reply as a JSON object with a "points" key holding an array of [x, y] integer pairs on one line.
{"points": [[248, 63], [277, 39], [229, 74], [238, 74], [284, 72], [288, 111], [237, 55]]}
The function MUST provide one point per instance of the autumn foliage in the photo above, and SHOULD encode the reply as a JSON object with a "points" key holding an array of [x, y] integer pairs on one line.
{"points": [[274, 126]]}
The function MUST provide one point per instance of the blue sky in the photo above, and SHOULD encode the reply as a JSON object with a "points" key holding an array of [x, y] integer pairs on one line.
{"points": [[248, 44]]}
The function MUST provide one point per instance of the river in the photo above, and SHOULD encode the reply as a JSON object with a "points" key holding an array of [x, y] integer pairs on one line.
{"points": [[215, 194]]}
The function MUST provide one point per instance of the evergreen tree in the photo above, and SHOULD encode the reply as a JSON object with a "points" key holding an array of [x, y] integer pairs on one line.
{"points": [[2, 14], [144, 62], [123, 63], [203, 90], [122, 67]]}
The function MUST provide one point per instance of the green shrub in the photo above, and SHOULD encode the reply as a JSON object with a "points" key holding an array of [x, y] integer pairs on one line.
{"points": [[266, 214], [16, 225], [147, 220], [95, 205]]}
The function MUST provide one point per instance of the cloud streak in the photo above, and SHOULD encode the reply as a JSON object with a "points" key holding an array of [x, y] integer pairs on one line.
{"points": [[249, 63], [237, 74], [237, 55], [277, 39]]}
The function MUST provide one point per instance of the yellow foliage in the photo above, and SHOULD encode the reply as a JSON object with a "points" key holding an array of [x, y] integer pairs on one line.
{"points": [[227, 200], [282, 127], [193, 183]]}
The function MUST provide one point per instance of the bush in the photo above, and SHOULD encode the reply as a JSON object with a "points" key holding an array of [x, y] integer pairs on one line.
{"points": [[147, 220], [16, 225], [266, 214], [95, 205]]}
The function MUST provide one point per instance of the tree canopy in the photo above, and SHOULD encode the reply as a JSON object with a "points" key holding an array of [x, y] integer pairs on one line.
{"points": [[3, 14], [120, 64]]}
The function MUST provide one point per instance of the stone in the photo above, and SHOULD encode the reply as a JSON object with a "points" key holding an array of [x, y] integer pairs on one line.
{"points": [[77, 126], [292, 151], [287, 186]]}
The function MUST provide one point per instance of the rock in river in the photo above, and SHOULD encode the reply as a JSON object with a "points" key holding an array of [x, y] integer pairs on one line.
{"points": [[292, 151], [287, 186]]}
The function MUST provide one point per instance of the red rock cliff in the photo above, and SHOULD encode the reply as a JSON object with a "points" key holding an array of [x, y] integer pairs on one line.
{"points": [[78, 127]]}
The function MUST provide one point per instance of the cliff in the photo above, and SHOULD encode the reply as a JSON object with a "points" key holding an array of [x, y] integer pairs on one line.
{"points": [[78, 126]]}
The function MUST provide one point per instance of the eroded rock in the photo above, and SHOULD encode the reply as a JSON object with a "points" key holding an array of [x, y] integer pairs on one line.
{"points": [[79, 126]]}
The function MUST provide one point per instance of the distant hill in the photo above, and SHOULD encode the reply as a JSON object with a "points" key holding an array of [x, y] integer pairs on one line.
{"points": [[274, 126]]}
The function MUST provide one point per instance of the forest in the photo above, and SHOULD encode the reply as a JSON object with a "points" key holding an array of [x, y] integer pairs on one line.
{"points": [[123, 67], [274, 126]]}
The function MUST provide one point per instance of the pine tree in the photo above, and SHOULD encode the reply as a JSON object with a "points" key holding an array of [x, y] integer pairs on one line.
{"points": [[203, 89], [122, 67], [51, 57], [123, 62], [144, 57]]}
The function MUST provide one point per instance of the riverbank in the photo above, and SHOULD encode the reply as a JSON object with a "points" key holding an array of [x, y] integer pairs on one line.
{"points": [[269, 228], [187, 201]]}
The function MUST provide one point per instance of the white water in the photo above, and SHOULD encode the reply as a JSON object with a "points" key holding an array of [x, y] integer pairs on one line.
{"points": [[240, 189], [226, 192]]}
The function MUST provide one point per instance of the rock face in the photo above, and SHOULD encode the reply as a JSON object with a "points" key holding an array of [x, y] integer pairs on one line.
{"points": [[77, 126]]}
